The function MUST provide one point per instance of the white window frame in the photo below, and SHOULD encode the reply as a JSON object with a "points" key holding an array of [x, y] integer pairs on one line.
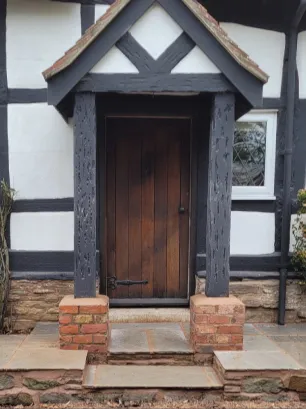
{"points": [[265, 192]]}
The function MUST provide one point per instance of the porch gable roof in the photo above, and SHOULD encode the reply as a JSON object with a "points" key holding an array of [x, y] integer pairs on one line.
{"points": [[183, 12]]}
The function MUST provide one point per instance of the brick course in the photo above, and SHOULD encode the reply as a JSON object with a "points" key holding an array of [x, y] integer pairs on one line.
{"points": [[216, 324], [83, 323]]}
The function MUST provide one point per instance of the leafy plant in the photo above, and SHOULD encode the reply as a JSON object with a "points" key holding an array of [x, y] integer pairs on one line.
{"points": [[6, 202], [299, 232]]}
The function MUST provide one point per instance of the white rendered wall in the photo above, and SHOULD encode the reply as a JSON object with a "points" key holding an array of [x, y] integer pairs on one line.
{"points": [[40, 152], [196, 62], [301, 63], [114, 62], [266, 48], [42, 231], [38, 33], [252, 233], [156, 31], [100, 9]]}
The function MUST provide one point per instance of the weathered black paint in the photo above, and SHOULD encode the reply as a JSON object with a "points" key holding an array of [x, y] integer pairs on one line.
{"points": [[63, 82], [174, 54], [87, 16], [136, 53], [249, 86], [66, 204], [279, 159], [27, 275], [262, 262], [4, 155], [27, 96], [253, 275], [68, 276], [62, 261], [154, 83], [85, 191], [37, 261], [219, 194], [43, 205]]}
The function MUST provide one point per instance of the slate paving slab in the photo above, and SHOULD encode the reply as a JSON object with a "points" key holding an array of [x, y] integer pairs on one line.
{"points": [[165, 340], [289, 329], [8, 346], [44, 335], [297, 350], [250, 329], [128, 341], [46, 359], [138, 376], [257, 360], [150, 338], [259, 343]]}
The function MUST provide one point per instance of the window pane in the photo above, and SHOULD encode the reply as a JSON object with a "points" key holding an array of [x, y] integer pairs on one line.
{"points": [[249, 154]]}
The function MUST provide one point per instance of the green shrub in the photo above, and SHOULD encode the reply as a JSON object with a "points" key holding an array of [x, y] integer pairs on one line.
{"points": [[299, 232]]}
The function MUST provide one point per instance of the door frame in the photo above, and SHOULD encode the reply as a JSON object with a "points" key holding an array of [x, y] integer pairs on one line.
{"points": [[137, 106]]}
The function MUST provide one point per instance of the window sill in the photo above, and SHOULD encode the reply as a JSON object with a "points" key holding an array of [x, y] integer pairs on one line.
{"points": [[255, 197]]}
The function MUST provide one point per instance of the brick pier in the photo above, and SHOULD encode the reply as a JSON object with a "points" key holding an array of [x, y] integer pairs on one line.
{"points": [[83, 323], [216, 324]]}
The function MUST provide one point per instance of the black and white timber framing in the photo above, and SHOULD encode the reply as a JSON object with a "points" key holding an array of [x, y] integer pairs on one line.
{"points": [[60, 265]]}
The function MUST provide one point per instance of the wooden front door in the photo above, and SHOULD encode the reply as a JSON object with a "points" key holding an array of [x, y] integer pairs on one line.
{"points": [[147, 206]]}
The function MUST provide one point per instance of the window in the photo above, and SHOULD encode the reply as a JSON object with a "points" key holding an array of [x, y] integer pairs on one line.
{"points": [[254, 156]]}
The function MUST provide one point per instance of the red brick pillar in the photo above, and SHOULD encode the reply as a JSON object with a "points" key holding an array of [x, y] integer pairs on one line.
{"points": [[83, 323], [216, 324]]}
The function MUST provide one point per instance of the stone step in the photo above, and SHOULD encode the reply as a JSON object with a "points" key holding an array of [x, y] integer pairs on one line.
{"points": [[148, 315], [157, 377]]}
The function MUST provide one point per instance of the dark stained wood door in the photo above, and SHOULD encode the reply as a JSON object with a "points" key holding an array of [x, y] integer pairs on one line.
{"points": [[147, 206]]}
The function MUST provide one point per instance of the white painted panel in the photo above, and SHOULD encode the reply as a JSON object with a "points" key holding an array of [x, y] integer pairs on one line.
{"points": [[40, 152], [114, 62], [196, 62], [266, 48], [42, 231], [156, 31], [301, 63], [38, 33], [252, 233], [100, 9]]}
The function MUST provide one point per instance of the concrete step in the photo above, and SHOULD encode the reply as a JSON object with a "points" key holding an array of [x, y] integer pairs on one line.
{"points": [[148, 315], [157, 377]]}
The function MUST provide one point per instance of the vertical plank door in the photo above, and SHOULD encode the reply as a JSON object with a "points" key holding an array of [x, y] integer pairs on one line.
{"points": [[147, 206]]}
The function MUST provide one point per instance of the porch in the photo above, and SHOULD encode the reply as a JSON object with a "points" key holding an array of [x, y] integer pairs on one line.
{"points": [[271, 367]]}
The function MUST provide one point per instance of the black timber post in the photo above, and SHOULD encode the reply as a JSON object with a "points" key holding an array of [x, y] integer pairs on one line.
{"points": [[219, 195], [85, 201]]}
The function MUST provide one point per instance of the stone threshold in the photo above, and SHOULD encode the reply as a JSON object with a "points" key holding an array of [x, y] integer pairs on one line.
{"points": [[148, 315]]}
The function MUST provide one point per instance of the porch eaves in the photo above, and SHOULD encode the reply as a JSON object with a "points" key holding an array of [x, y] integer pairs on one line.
{"points": [[196, 8]]}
